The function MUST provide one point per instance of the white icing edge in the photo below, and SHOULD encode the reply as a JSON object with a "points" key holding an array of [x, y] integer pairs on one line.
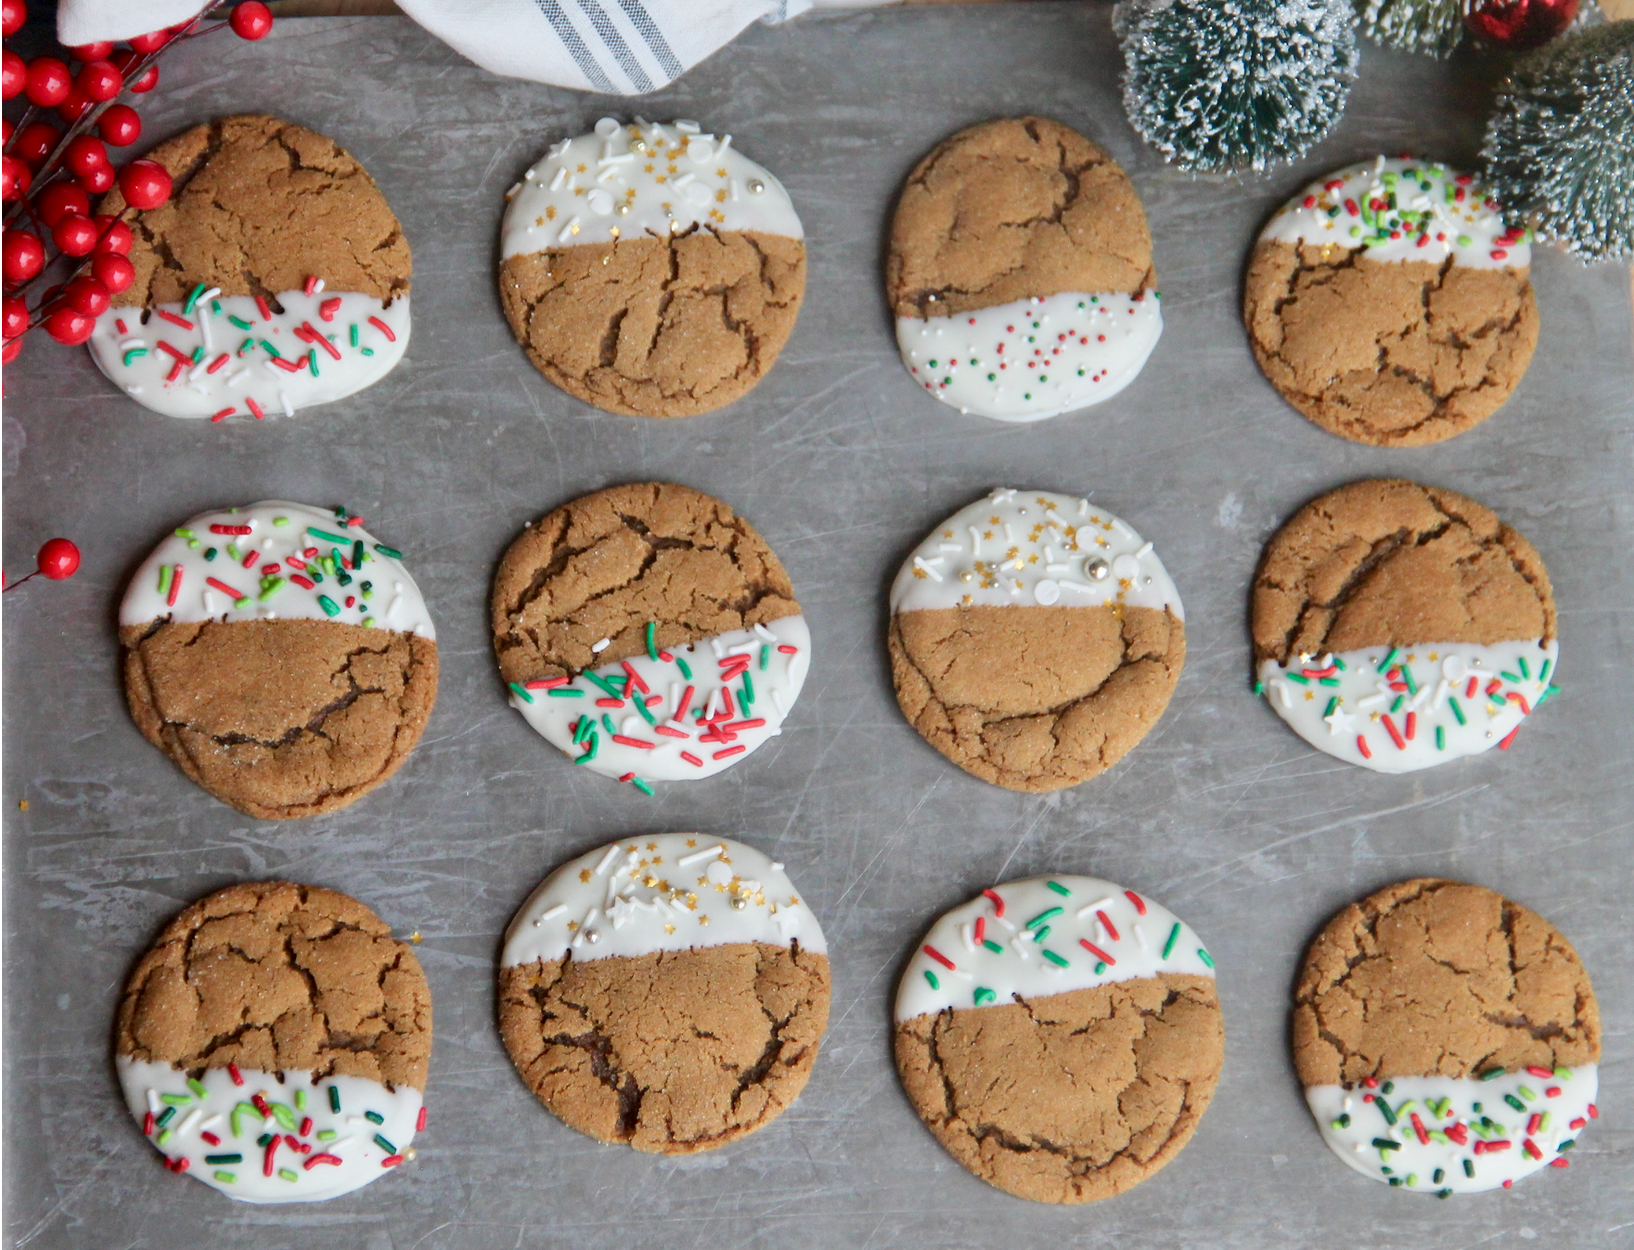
{"points": [[144, 1083], [395, 602], [775, 689], [1354, 1144], [558, 205], [1020, 969], [630, 917], [1087, 348], [931, 577], [1365, 693], [197, 392]]}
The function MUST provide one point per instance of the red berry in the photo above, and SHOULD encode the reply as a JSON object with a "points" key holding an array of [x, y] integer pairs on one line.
{"points": [[99, 80], [98, 182], [87, 295], [74, 235], [58, 559], [5, 129], [21, 255], [85, 154], [145, 184], [69, 326], [35, 142], [13, 74], [119, 125], [13, 316], [114, 272], [14, 178], [150, 42], [48, 81], [8, 353], [113, 237], [75, 106], [59, 200], [13, 13], [251, 20], [91, 51], [123, 62]]}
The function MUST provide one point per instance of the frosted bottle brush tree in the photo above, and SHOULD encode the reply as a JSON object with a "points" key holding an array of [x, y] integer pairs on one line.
{"points": [[1225, 85], [1432, 26]]}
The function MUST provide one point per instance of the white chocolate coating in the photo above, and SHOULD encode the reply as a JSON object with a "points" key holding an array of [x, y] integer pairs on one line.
{"points": [[601, 187], [743, 683], [1033, 547], [665, 892], [286, 542], [357, 353], [1034, 945], [302, 1113], [1486, 1147], [1446, 214], [1423, 697], [1033, 358]]}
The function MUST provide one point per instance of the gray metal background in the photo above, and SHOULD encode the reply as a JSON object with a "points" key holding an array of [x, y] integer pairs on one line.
{"points": [[1222, 813]]}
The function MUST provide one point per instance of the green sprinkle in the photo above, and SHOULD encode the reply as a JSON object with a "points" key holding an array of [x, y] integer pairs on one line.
{"points": [[641, 706], [1463, 240], [652, 641], [748, 689], [283, 1115], [590, 751], [1259, 687], [1440, 738], [1384, 1143], [389, 552], [1511, 678], [517, 688], [134, 352], [1040, 933], [1339, 664], [1563, 1074], [226, 1178], [607, 723], [234, 552], [565, 692], [1551, 690], [1342, 1122], [1058, 888], [765, 656], [165, 1136], [1439, 1175], [1543, 673], [175, 1100], [983, 996], [1327, 681], [164, 578], [583, 730], [328, 605], [226, 1158], [1174, 936], [239, 322], [334, 1099], [1400, 699], [682, 665], [1543, 1122], [1055, 959], [374, 1117], [1527, 1094], [166, 1116], [368, 351], [264, 1139], [1208, 960], [1566, 1145], [326, 535], [300, 1100], [1437, 1135], [1491, 1074], [1520, 663], [327, 1134], [1299, 677], [931, 978], [312, 360], [993, 946], [185, 533], [287, 1175], [192, 299], [641, 785], [1332, 703], [354, 334], [271, 350], [606, 685], [1388, 1087], [1384, 1110], [1407, 676], [209, 553], [270, 587], [1385, 663], [358, 555], [1049, 913], [1469, 1167], [1100, 967], [1457, 710]]}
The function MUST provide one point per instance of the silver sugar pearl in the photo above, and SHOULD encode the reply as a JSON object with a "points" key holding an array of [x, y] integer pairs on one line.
{"points": [[622, 208], [1096, 569], [756, 186], [592, 936], [739, 902], [638, 146], [967, 575]]}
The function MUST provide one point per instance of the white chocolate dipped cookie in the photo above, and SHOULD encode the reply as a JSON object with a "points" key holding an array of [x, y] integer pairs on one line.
{"points": [[1020, 272], [1073, 590]]}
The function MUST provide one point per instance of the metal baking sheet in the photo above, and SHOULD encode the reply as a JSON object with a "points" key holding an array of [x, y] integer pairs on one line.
{"points": [[1222, 813]]}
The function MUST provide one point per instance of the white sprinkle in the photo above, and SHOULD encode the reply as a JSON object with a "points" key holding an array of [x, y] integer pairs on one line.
{"points": [[925, 567], [130, 344], [764, 632], [212, 1122], [569, 230], [687, 861], [734, 190], [1094, 907], [1140, 936], [153, 1101], [720, 151], [599, 647], [718, 647], [1145, 550], [975, 541], [236, 378], [561, 177], [198, 371], [552, 913], [777, 702], [967, 935], [191, 1123], [289, 408], [607, 860], [1009, 534], [317, 286], [1284, 693]]}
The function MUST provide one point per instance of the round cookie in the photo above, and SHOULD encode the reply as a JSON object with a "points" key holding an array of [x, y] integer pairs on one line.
{"points": [[1034, 639], [274, 278], [668, 992], [649, 633], [1447, 1038], [1390, 304], [1061, 1036], [1020, 272], [280, 655], [651, 270], [274, 1043], [1399, 626]]}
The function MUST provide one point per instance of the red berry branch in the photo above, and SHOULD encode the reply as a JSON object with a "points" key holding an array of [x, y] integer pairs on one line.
{"points": [[49, 173]]}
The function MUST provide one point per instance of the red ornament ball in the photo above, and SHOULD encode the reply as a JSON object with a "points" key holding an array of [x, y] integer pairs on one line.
{"points": [[113, 237], [35, 142], [119, 125], [13, 13], [8, 353], [145, 184], [59, 200], [113, 271], [99, 80], [74, 235], [58, 559], [1517, 25], [91, 51], [13, 74], [13, 317], [150, 42], [75, 106], [69, 326], [251, 20], [126, 60], [85, 153], [98, 182], [21, 255], [14, 178], [48, 81], [87, 295]]}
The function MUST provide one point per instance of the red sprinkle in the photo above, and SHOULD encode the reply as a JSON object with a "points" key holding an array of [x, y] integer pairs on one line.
{"points": [[1504, 745], [354, 521], [686, 698], [1457, 1133], [1361, 745], [420, 1121], [302, 582], [1372, 1082], [383, 328], [289, 366], [722, 754], [939, 957], [670, 732], [306, 1126], [323, 1156], [1469, 690], [147, 1125], [1395, 734], [785, 649], [1494, 1146], [261, 306], [225, 589], [261, 1106], [1534, 1070], [1350, 207], [218, 362], [1418, 1128], [1140, 903], [1562, 1162], [175, 588], [314, 337], [266, 1159], [311, 285], [1107, 921], [1552, 1092], [744, 724], [175, 369], [544, 683], [609, 702], [992, 897], [230, 529], [1594, 1112], [255, 409], [329, 308], [391, 1161], [1515, 696], [634, 742], [627, 777], [174, 320], [249, 560], [981, 928], [1412, 725], [1310, 201], [1531, 1148], [1096, 951], [1578, 1123], [692, 759], [635, 678], [1535, 1123], [211, 1138], [180, 357]]}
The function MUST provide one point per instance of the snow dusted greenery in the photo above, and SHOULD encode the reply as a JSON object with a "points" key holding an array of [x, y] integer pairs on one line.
{"points": [[1560, 146], [1432, 26], [1226, 85]]}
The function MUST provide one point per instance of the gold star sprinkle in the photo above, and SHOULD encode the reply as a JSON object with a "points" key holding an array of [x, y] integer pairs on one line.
{"points": [[582, 168], [993, 520], [692, 841], [660, 178], [669, 928], [584, 875], [721, 172], [550, 213], [646, 169], [720, 196], [715, 214], [703, 919]]}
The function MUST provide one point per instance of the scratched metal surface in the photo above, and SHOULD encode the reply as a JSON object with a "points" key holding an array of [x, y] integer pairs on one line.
{"points": [[1221, 813]]}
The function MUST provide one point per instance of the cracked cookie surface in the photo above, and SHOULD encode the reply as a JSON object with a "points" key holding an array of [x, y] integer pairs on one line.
{"points": [[669, 1052], [1439, 978], [1070, 1097], [279, 977], [280, 718], [1389, 562], [259, 206], [1396, 353]]}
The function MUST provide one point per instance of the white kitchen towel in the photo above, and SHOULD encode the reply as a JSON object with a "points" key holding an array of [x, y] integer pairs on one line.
{"points": [[92, 21]]}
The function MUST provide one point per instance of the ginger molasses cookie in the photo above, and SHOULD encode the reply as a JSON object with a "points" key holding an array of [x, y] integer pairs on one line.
{"points": [[649, 633], [1390, 304], [1061, 1036], [274, 1043], [1034, 639], [280, 655], [1020, 272], [668, 992], [275, 277], [1447, 1038], [651, 270], [1398, 626]]}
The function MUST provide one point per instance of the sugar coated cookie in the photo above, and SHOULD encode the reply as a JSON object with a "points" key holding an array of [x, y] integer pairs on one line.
{"points": [[275, 277], [651, 270], [1398, 626], [668, 992], [1034, 639], [1447, 1038], [274, 1042], [1390, 304], [1061, 1036], [1020, 272], [280, 654], [649, 633]]}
